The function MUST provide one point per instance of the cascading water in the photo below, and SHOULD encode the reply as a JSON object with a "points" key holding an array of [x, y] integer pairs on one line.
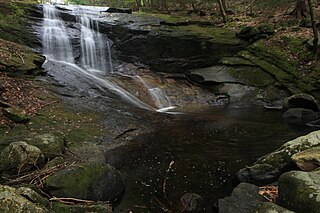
{"points": [[95, 52], [56, 43]]}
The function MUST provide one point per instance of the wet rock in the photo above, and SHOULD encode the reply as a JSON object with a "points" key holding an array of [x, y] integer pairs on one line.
{"points": [[300, 191], [302, 101], [32, 196], [19, 157], [15, 115], [191, 202], [12, 201], [98, 182], [268, 168], [271, 208], [307, 160], [97, 208], [244, 198], [299, 116], [118, 10], [50, 144]]}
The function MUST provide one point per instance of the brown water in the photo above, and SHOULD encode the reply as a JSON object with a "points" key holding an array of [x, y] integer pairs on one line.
{"points": [[207, 149]]}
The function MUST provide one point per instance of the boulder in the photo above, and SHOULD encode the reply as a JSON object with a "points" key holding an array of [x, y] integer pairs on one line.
{"points": [[267, 169], [192, 202], [78, 208], [267, 207], [91, 181], [254, 33], [12, 201], [302, 101], [32, 196], [19, 157], [307, 160], [299, 116], [244, 198], [50, 144], [300, 191]]}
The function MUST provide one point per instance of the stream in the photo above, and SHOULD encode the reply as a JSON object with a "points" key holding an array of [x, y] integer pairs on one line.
{"points": [[194, 151]]}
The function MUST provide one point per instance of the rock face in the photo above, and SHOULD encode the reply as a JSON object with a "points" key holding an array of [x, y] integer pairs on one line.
{"points": [[98, 182], [271, 208], [245, 197], [300, 191], [307, 160], [299, 116], [270, 167], [12, 201], [19, 157], [50, 144]]}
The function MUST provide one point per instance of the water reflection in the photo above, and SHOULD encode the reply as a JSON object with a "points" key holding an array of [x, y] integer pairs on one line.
{"points": [[207, 149]]}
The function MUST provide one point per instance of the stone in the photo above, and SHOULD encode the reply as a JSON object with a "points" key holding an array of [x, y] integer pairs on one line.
{"points": [[268, 207], [15, 115], [50, 144], [54, 162], [12, 201], [300, 191], [90, 181], [254, 33], [191, 202], [302, 101], [32, 196], [307, 160], [244, 198], [78, 208], [268, 168], [20, 157], [299, 116]]}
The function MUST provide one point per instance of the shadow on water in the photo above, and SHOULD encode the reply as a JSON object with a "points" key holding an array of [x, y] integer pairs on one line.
{"points": [[207, 149]]}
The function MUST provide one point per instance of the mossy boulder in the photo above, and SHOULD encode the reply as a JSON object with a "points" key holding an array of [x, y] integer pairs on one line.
{"points": [[78, 208], [268, 207], [32, 196], [299, 116], [20, 157], [98, 182], [50, 144], [15, 115], [268, 168], [11, 201], [302, 100], [307, 160], [300, 191], [254, 33]]}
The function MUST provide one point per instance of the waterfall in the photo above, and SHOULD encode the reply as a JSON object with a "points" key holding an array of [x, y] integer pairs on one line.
{"points": [[95, 54], [56, 43]]}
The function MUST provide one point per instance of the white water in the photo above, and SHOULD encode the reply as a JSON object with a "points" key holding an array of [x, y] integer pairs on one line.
{"points": [[95, 55], [55, 40]]}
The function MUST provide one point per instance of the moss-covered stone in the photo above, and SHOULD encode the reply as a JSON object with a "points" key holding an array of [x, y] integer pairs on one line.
{"points": [[15, 115], [78, 208], [268, 207], [307, 160], [235, 61], [270, 167], [300, 191], [98, 182], [11, 201], [32, 196]]}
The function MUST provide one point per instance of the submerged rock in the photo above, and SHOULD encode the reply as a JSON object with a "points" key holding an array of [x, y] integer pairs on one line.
{"points": [[12, 201], [300, 191], [268, 168], [98, 182], [244, 198], [299, 116], [191, 202], [20, 157], [307, 160]]}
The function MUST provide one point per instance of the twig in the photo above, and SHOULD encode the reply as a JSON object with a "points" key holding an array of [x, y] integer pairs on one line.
{"points": [[164, 186], [70, 200]]}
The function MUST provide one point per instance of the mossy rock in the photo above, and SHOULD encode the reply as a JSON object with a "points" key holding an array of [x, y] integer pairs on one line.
{"points": [[268, 168], [78, 208], [32, 195], [268, 207], [307, 160], [20, 157], [50, 144], [235, 61], [254, 33], [15, 115], [12, 201], [98, 182], [300, 191]]}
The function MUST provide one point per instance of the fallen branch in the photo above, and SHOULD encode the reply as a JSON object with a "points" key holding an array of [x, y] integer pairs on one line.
{"points": [[70, 200]]}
